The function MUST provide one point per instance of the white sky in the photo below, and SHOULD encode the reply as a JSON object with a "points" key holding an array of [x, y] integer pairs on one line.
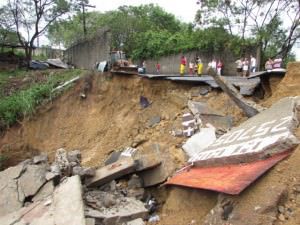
{"points": [[183, 10]]}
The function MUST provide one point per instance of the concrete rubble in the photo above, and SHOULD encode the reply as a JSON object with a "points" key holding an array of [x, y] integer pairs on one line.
{"points": [[265, 134], [64, 192]]}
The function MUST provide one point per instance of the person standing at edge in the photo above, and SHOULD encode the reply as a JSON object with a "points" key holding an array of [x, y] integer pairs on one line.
{"points": [[219, 67], [182, 65], [199, 66], [144, 67], [191, 68], [158, 68], [239, 66], [252, 64]]}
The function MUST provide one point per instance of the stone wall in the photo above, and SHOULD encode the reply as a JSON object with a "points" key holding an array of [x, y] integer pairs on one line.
{"points": [[86, 53], [170, 64]]}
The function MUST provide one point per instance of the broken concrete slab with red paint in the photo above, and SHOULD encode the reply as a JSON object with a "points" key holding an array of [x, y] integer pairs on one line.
{"points": [[265, 134], [231, 179], [103, 175]]}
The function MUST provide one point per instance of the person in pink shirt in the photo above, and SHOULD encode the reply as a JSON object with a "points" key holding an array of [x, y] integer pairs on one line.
{"points": [[219, 67]]}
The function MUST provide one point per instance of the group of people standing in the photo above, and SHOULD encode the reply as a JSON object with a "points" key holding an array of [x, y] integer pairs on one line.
{"points": [[244, 67], [195, 66]]}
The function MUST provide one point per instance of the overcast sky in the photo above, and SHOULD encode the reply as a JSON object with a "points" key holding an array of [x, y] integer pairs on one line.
{"points": [[184, 10]]}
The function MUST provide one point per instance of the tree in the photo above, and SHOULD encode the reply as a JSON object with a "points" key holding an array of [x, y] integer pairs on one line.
{"points": [[32, 18], [259, 19]]}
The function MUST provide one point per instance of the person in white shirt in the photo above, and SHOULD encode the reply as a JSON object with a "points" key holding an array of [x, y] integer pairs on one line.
{"points": [[252, 64]]}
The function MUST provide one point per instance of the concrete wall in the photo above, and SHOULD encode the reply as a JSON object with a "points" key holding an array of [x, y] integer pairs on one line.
{"points": [[170, 64], [49, 53], [86, 53]]}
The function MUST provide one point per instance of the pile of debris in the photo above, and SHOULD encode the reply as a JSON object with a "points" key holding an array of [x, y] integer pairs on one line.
{"points": [[49, 63], [34, 192]]}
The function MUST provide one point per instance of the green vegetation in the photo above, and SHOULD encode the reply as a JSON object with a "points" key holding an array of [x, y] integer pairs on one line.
{"points": [[145, 31], [24, 102]]}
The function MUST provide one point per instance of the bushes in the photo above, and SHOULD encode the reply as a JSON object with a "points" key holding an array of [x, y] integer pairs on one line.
{"points": [[24, 102]]}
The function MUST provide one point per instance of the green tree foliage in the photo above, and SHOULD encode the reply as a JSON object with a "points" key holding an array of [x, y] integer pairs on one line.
{"points": [[33, 18], [145, 31], [258, 22]]}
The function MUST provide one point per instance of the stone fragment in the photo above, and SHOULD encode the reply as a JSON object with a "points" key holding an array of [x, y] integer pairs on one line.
{"points": [[90, 221], [40, 159], [134, 182], [61, 159], [153, 121], [32, 179], [127, 210], [201, 108], [74, 156], [159, 173], [114, 156], [189, 124], [199, 141], [113, 171], [67, 202], [138, 221], [44, 192]]}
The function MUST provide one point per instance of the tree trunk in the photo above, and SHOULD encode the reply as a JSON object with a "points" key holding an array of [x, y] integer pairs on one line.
{"points": [[28, 55]]}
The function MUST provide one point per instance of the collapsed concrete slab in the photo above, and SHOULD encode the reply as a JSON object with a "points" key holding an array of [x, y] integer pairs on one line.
{"points": [[160, 173], [199, 141], [64, 207], [68, 203], [19, 182], [128, 209], [112, 171], [268, 133]]}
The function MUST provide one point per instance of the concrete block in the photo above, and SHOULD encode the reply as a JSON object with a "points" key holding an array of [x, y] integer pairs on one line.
{"points": [[68, 203], [112, 171], [127, 210], [265, 134]]}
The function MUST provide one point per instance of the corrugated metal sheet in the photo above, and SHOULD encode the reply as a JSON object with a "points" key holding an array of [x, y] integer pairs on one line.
{"points": [[230, 179]]}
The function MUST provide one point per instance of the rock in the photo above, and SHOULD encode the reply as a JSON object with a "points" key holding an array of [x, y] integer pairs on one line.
{"points": [[44, 192], [127, 210], [146, 160], [113, 171], [138, 221], [83, 172], [153, 121], [61, 159], [32, 179], [90, 221], [40, 159], [140, 139], [199, 141], [10, 198], [109, 200], [281, 209], [201, 108], [74, 156], [89, 172], [154, 219], [281, 217], [177, 133], [134, 182], [204, 90], [114, 156], [67, 202], [50, 176], [160, 173], [137, 193]]}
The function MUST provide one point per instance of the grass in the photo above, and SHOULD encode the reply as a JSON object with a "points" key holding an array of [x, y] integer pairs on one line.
{"points": [[24, 102]]}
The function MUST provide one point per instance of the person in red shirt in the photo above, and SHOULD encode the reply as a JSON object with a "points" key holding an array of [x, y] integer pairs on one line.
{"points": [[157, 68], [182, 65], [219, 67]]}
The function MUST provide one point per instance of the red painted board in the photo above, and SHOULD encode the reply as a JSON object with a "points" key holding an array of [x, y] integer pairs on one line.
{"points": [[230, 179]]}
